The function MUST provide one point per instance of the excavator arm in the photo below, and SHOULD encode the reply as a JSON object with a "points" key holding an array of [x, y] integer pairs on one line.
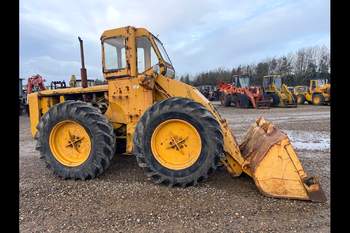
{"points": [[265, 154]]}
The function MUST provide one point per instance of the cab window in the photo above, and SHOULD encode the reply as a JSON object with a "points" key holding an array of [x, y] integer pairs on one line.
{"points": [[146, 56], [313, 85], [114, 53]]}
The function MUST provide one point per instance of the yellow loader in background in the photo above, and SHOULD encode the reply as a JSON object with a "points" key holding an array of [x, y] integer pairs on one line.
{"points": [[275, 89], [318, 93], [299, 92], [176, 134]]}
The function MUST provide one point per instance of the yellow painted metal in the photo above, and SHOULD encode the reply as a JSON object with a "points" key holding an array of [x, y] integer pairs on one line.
{"points": [[70, 143], [284, 94], [47, 102], [316, 88], [300, 90], [74, 90], [316, 100], [62, 99], [40, 102], [274, 165], [266, 154], [176, 144], [128, 100], [34, 111], [274, 181]]}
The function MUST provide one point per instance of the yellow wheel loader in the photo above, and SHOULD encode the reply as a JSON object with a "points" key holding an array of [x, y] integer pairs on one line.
{"points": [[275, 89], [319, 92], [176, 134], [299, 92]]}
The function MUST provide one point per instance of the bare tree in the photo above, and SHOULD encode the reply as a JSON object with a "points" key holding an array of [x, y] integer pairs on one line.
{"points": [[297, 68]]}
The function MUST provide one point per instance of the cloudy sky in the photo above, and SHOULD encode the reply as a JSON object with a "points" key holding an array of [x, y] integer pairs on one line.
{"points": [[198, 35]]}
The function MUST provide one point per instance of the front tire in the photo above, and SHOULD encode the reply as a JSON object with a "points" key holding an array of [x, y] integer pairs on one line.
{"points": [[317, 99], [178, 142], [242, 101], [301, 99], [75, 140], [225, 100], [275, 100]]}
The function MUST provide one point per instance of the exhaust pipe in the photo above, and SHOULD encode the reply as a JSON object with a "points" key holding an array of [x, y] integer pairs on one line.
{"points": [[83, 73]]}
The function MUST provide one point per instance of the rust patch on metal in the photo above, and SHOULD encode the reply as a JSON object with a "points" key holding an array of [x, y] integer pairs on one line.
{"points": [[259, 139], [314, 189], [147, 82]]}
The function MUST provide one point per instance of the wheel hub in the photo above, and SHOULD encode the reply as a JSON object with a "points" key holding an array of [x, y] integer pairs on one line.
{"points": [[70, 144], [74, 141], [176, 144], [317, 100]]}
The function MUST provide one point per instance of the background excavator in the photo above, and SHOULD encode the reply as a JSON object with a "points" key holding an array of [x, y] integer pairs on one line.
{"points": [[242, 94], [176, 134]]}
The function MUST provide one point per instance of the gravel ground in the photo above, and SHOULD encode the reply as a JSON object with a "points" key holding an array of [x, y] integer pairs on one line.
{"points": [[123, 200]]}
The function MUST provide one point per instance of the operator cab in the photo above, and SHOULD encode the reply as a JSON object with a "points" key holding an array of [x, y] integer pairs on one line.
{"points": [[241, 81], [301, 89], [128, 52], [270, 80], [317, 83]]}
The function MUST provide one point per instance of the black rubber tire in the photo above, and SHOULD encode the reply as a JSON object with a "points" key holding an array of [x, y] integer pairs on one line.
{"points": [[321, 99], [97, 126], [275, 100], [207, 127], [294, 99], [300, 99], [242, 101], [268, 97], [225, 100]]}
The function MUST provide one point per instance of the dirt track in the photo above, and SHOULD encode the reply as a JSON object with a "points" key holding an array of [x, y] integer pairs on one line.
{"points": [[123, 200]]}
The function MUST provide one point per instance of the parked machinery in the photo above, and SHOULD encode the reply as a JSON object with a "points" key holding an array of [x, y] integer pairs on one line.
{"points": [[78, 83], [209, 91], [299, 92], [35, 83], [241, 94], [176, 134], [23, 106], [275, 89], [58, 85], [318, 93]]}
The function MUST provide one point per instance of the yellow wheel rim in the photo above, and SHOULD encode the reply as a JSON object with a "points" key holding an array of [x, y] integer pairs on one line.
{"points": [[70, 144], [317, 100], [176, 144]]}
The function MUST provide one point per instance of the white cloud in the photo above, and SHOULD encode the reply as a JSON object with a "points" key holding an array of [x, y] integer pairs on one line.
{"points": [[197, 34]]}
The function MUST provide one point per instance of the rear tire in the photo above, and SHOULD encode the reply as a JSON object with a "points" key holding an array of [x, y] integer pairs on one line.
{"points": [[99, 133], [301, 99], [275, 100], [242, 101], [192, 113], [225, 100], [317, 99]]}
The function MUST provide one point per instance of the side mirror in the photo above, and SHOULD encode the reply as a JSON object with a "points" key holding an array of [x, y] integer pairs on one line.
{"points": [[156, 69], [163, 69]]}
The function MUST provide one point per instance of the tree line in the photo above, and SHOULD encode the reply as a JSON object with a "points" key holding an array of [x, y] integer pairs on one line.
{"points": [[297, 68]]}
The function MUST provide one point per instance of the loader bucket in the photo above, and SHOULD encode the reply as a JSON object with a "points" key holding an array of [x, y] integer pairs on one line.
{"points": [[274, 165]]}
